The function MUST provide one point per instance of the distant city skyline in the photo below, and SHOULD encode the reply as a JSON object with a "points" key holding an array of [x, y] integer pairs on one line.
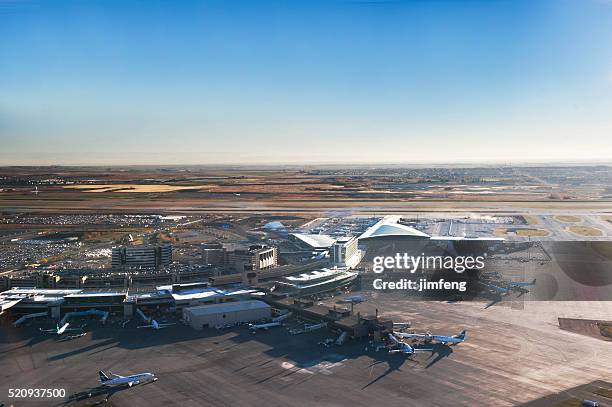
{"points": [[319, 82]]}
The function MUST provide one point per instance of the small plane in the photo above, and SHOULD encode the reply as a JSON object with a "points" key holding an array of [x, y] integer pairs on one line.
{"points": [[256, 327], [60, 330], [156, 325], [404, 348], [278, 321], [118, 380], [428, 338], [355, 299]]}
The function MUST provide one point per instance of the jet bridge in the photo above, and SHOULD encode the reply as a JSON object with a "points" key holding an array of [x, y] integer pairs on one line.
{"points": [[102, 314]]}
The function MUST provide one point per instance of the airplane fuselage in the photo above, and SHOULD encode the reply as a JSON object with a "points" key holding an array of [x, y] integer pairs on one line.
{"points": [[129, 380]]}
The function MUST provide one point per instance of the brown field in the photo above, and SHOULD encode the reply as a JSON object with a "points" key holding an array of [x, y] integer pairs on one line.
{"points": [[527, 232], [531, 220], [291, 190], [585, 231], [568, 218]]}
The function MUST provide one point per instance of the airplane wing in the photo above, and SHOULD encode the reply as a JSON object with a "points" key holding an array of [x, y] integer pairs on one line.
{"points": [[145, 326], [116, 375]]}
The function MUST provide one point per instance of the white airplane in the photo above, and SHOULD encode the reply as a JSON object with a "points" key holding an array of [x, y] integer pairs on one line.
{"points": [[130, 381], [156, 325], [60, 330], [404, 347], [256, 327], [444, 340]]}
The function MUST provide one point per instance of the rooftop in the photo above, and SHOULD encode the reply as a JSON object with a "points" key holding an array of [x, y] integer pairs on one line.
{"points": [[228, 307], [315, 241], [390, 228]]}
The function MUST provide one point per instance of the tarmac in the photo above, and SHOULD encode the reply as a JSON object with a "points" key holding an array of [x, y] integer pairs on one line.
{"points": [[515, 354]]}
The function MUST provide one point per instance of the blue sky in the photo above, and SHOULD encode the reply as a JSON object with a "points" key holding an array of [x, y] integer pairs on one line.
{"points": [[163, 82]]}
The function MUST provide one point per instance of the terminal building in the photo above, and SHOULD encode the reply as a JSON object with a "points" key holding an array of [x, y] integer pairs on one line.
{"points": [[389, 237], [141, 256], [56, 303]]}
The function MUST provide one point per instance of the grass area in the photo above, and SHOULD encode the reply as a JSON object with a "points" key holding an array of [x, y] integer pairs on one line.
{"points": [[585, 231], [532, 232], [527, 232], [568, 218], [531, 220]]}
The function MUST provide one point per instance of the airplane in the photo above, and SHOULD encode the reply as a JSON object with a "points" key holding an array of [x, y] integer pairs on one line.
{"points": [[130, 381], [404, 347], [444, 340], [156, 325], [256, 327], [60, 330], [355, 299]]}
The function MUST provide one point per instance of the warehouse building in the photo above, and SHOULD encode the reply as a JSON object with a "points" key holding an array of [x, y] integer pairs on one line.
{"points": [[228, 313]]}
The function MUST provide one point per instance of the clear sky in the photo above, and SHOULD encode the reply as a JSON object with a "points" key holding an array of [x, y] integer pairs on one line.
{"points": [[179, 82]]}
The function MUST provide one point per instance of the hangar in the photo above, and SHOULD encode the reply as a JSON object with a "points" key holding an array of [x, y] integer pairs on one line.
{"points": [[227, 313]]}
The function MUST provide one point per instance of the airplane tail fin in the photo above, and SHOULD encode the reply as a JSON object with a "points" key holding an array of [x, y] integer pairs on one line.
{"points": [[103, 377], [462, 334], [533, 282]]}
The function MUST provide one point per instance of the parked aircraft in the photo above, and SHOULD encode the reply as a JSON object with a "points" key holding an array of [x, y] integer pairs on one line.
{"points": [[256, 327], [427, 337], [401, 347], [156, 325], [60, 330], [130, 381]]}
